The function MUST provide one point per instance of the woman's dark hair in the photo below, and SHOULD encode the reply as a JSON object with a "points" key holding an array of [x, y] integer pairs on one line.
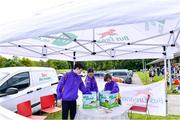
{"points": [[78, 65], [90, 70], [107, 76]]}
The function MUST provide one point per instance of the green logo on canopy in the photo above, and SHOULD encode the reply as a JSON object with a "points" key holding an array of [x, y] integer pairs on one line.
{"points": [[64, 39]]}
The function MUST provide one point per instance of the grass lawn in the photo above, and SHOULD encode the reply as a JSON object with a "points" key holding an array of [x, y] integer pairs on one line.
{"points": [[143, 117], [144, 76], [65, 70], [57, 116], [62, 70]]}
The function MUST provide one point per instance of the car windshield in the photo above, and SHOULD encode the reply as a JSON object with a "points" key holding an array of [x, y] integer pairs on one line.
{"points": [[119, 73], [99, 74], [3, 75]]}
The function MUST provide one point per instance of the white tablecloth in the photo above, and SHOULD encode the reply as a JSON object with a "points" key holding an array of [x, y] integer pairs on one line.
{"points": [[117, 113]]}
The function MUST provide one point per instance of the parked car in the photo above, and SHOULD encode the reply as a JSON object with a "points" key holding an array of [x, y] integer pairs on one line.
{"points": [[122, 73], [99, 74], [118, 79], [131, 73], [18, 84]]}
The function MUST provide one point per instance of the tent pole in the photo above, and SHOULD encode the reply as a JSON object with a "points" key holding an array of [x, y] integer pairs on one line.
{"points": [[165, 77], [169, 69], [74, 58], [74, 62], [94, 40], [143, 64]]}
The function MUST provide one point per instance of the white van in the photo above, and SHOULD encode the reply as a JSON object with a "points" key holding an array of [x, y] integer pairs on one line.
{"points": [[18, 84]]}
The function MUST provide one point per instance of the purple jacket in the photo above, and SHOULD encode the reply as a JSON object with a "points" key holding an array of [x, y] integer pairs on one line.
{"points": [[112, 86], [68, 86], [91, 84]]}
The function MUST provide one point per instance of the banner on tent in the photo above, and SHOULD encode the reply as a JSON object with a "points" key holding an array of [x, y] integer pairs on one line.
{"points": [[135, 94]]}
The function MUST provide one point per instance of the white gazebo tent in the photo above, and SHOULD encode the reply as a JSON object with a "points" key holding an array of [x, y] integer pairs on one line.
{"points": [[91, 30]]}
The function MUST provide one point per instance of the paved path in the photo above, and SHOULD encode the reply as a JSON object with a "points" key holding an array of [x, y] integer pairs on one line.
{"points": [[136, 80], [174, 104], [173, 100]]}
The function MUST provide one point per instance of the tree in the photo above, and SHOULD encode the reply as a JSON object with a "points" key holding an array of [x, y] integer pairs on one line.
{"points": [[57, 64], [43, 64], [26, 62], [2, 61]]}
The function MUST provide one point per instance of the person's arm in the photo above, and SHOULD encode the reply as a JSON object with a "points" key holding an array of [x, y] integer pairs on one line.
{"points": [[88, 84], [82, 88], [115, 88], [105, 87], [96, 86], [60, 87]]}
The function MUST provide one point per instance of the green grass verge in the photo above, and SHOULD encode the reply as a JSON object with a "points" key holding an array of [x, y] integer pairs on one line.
{"points": [[144, 76], [171, 91], [57, 116], [152, 117], [63, 70], [54, 116]]}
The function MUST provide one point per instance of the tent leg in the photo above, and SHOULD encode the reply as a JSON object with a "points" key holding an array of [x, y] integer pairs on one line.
{"points": [[170, 76], [165, 77], [143, 64]]}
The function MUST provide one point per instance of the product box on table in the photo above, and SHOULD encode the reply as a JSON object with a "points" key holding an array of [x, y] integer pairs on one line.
{"points": [[108, 100], [90, 101]]}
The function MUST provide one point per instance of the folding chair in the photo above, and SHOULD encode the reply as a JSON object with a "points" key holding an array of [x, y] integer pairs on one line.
{"points": [[24, 109], [48, 104], [141, 108]]}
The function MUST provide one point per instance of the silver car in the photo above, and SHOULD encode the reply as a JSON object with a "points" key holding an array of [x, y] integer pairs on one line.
{"points": [[122, 73]]}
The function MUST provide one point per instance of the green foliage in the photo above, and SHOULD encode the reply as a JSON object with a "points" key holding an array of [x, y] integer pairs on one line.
{"points": [[115, 64], [2, 61], [58, 64], [12, 62], [26, 62]]}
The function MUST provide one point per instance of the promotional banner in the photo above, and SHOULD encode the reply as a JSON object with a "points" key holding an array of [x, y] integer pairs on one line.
{"points": [[137, 95]]}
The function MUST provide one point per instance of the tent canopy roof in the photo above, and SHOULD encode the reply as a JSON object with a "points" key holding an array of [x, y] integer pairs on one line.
{"points": [[91, 29]]}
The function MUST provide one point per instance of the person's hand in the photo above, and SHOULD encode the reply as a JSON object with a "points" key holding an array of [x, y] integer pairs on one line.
{"points": [[88, 93], [113, 92], [59, 103]]}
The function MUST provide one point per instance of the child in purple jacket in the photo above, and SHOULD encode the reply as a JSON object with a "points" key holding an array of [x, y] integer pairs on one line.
{"points": [[67, 90], [110, 85], [91, 84]]}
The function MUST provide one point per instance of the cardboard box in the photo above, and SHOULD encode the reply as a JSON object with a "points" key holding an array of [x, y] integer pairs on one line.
{"points": [[90, 101], [108, 100]]}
